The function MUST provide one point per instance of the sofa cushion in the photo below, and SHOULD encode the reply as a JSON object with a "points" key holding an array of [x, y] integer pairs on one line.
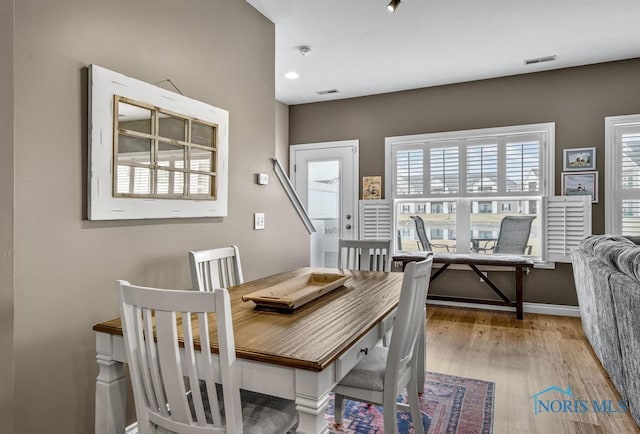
{"points": [[597, 313], [591, 242], [626, 296], [628, 262], [609, 251], [616, 251]]}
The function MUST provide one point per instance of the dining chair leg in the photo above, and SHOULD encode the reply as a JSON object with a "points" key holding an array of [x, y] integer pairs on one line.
{"points": [[338, 409], [390, 411], [414, 405], [421, 362]]}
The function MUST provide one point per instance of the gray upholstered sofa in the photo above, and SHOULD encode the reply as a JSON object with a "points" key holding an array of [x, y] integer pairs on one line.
{"points": [[607, 275]]}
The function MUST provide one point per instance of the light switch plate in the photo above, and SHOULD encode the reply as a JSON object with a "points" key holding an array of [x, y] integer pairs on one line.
{"points": [[263, 178], [258, 220]]}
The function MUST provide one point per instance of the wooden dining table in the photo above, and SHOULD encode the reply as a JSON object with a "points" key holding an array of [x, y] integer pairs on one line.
{"points": [[299, 355]]}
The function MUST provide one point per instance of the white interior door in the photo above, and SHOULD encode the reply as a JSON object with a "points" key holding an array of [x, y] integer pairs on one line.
{"points": [[325, 176]]}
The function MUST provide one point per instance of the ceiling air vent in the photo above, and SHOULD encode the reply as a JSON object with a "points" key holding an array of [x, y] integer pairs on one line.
{"points": [[540, 60], [326, 92]]}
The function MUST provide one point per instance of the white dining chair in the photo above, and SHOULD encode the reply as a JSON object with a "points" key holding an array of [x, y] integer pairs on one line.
{"points": [[215, 268], [174, 386], [383, 373], [370, 255]]}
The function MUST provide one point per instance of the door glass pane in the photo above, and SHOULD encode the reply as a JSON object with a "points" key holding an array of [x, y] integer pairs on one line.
{"points": [[323, 197]]}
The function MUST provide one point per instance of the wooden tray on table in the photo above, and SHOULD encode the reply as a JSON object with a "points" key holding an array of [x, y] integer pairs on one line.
{"points": [[296, 292]]}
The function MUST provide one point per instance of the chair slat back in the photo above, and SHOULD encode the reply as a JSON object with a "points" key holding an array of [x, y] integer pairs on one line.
{"points": [[406, 329], [514, 234], [163, 372], [370, 255], [216, 268]]}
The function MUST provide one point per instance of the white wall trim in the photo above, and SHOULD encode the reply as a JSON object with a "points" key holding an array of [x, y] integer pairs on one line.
{"points": [[613, 192], [131, 429], [539, 308]]}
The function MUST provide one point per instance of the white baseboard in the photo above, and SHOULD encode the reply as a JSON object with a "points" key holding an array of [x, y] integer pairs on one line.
{"points": [[132, 429], [541, 308]]}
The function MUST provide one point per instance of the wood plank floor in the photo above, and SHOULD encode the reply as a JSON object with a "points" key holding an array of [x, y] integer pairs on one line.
{"points": [[524, 358]]}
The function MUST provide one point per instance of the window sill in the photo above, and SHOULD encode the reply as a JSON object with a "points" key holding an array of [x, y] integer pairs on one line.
{"points": [[544, 265]]}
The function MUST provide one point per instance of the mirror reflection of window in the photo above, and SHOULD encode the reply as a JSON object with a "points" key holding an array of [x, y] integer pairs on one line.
{"points": [[152, 148], [172, 127]]}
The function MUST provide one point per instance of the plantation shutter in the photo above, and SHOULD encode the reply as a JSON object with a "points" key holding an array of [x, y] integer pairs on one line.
{"points": [[409, 172], [629, 180], [482, 168], [522, 166], [375, 220], [568, 221], [444, 170]]}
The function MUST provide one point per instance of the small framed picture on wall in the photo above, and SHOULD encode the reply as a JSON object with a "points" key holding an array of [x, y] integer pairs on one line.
{"points": [[583, 183], [371, 187], [579, 159]]}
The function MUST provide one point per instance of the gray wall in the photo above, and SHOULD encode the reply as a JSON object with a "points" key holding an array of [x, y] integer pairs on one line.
{"points": [[6, 216], [282, 134], [576, 99], [220, 52]]}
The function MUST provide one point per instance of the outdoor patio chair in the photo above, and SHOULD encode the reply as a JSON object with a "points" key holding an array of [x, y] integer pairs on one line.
{"points": [[423, 240], [513, 236]]}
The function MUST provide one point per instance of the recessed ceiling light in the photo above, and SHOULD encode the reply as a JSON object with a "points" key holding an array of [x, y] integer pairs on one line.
{"points": [[292, 75], [328, 91], [540, 60]]}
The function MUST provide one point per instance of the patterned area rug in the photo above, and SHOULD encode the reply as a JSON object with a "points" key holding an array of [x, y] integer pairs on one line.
{"points": [[449, 404]]}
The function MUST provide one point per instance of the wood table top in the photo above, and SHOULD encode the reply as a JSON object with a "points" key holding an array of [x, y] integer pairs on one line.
{"points": [[314, 335]]}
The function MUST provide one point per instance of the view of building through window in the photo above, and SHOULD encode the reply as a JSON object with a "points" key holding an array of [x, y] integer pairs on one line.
{"points": [[466, 183]]}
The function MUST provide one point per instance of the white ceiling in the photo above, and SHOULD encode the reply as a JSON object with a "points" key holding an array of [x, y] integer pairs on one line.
{"points": [[359, 48]]}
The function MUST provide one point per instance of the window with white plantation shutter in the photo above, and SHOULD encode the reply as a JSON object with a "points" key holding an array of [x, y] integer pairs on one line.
{"points": [[482, 168], [409, 172], [622, 176], [375, 220], [445, 173], [463, 183], [568, 221], [523, 166]]}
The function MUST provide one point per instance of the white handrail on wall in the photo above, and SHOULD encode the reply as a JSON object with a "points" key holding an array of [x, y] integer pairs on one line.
{"points": [[293, 196]]}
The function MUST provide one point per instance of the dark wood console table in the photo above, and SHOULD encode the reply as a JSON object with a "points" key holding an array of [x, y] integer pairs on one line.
{"points": [[473, 260]]}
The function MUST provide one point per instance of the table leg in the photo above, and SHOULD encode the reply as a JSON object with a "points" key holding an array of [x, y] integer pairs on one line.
{"points": [[111, 389], [519, 310], [311, 414], [312, 398]]}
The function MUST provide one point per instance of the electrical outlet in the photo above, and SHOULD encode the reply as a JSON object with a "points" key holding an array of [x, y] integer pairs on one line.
{"points": [[258, 220]]}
